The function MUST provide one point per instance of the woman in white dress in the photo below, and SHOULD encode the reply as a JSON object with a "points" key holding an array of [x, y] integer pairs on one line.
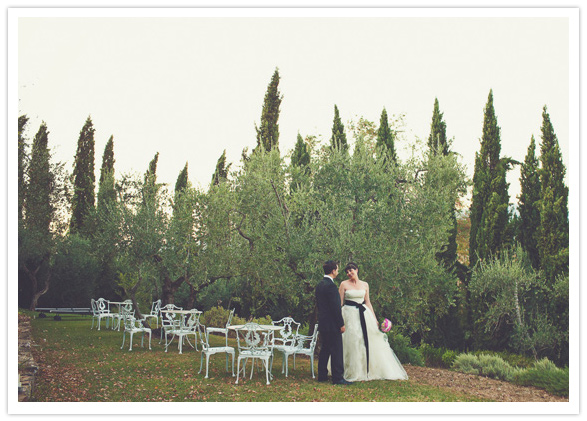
{"points": [[366, 352]]}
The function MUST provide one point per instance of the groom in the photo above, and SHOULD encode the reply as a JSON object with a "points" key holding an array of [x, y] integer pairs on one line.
{"points": [[330, 326]]}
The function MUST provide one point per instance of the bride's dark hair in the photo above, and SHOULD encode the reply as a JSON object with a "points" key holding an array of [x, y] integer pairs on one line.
{"points": [[351, 265]]}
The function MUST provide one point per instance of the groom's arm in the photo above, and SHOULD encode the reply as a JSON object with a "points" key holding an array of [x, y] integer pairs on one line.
{"points": [[334, 305]]}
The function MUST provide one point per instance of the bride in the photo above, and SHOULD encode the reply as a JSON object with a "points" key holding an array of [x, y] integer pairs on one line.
{"points": [[366, 353]]}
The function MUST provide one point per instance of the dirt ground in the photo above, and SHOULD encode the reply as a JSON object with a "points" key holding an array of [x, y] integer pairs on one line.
{"points": [[481, 387]]}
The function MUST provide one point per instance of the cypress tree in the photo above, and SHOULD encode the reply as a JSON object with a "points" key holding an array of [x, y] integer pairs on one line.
{"points": [[489, 205], [338, 139], [301, 155], [38, 214], [528, 204], [22, 156], [38, 207], [106, 191], [182, 180], [268, 132], [437, 141], [82, 203], [553, 241], [150, 183], [385, 136], [221, 172], [437, 144]]}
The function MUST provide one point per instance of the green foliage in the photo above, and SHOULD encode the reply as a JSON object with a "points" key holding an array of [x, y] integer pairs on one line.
{"points": [[386, 137], [432, 356], [437, 141], [485, 365], [268, 131], [547, 375], [403, 349], [106, 190], [182, 180], [529, 206], [84, 180], [553, 236], [512, 294], [338, 140], [515, 360], [489, 205], [448, 358], [22, 164], [221, 172], [74, 272]]}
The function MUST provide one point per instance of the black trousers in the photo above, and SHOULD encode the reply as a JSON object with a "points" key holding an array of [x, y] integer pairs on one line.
{"points": [[331, 348]]}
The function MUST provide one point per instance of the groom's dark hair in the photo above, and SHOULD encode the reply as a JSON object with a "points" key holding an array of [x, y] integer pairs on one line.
{"points": [[329, 267]]}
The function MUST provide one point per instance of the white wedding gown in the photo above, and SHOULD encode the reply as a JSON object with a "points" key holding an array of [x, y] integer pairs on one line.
{"points": [[383, 363]]}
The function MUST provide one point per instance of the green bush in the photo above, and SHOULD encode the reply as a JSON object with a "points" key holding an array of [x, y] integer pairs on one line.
{"points": [[218, 316], [515, 360], [467, 363], [495, 367], [403, 349], [432, 356], [448, 358], [484, 365], [546, 375]]}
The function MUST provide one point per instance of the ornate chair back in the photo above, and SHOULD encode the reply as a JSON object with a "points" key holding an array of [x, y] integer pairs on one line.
{"points": [[155, 307], [103, 306], [252, 339], [93, 307], [288, 332]]}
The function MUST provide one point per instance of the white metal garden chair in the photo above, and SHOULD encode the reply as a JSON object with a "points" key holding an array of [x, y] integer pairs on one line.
{"points": [[304, 345], [155, 307], [169, 321], [103, 311], [124, 310], [208, 350], [132, 326], [287, 334], [223, 330], [253, 342], [95, 313], [186, 327]]}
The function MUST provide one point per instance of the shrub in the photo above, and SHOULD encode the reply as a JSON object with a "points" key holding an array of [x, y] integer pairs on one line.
{"points": [[495, 367], [218, 316], [448, 358], [404, 352], [467, 363], [484, 365], [546, 375], [515, 360], [432, 356]]}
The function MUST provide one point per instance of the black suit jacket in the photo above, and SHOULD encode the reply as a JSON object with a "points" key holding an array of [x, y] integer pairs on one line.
{"points": [[328, 301]]}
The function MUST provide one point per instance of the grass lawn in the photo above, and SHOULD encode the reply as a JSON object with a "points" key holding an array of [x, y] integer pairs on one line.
{"points": [[80, 364]]}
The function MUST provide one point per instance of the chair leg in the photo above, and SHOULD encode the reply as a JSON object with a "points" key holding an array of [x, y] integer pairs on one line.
{"points": [[267, 370], [149, 340], [207, 364], [238, 370], [232, 364], [312, 364], [201, 361], [131, 333], [123, 335], [286, 358]]}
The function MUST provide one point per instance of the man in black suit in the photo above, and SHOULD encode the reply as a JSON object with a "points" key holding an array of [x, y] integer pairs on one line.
{"points": [[330, 326]]}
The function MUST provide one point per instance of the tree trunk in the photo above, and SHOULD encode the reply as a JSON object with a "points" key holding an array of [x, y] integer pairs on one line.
{"points": [[34, 284], [169, 289]]}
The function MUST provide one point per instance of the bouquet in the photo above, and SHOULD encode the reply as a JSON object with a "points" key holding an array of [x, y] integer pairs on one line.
{"points": [[386, 325]]}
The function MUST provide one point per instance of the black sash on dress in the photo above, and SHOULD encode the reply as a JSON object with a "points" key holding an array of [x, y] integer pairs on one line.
{"points": [[362, 309]]}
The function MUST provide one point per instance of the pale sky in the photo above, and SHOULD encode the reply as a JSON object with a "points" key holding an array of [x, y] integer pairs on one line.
{"points": [[190, 87]]}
